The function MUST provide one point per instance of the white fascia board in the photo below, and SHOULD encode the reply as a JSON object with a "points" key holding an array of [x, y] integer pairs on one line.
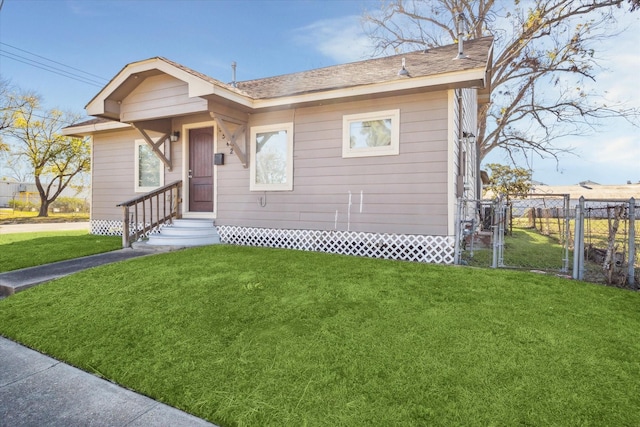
{"points": [[197, 86], [456, 78], [94, 128], [95, 107], [233, 96]]}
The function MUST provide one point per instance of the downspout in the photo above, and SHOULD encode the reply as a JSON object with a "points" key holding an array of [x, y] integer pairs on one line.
{"points": [[460, 177], [478, 170]]}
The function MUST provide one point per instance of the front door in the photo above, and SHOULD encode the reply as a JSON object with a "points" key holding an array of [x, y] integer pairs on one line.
{"points": [[201, 170]]}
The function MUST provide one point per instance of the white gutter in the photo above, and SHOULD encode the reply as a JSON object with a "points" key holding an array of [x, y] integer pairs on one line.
{"points": [[94, 128]]}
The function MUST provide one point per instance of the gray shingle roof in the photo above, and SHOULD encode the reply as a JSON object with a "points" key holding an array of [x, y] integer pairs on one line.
{"points": [[421, 63]]}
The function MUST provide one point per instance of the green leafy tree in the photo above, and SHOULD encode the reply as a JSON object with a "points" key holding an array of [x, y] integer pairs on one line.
{"points": [[538, 44], [37, 140], [10, 102], [508, 181]]}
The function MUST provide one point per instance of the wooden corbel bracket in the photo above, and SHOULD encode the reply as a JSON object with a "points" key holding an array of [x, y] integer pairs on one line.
{"points": [[237, 138], [155, 146]]}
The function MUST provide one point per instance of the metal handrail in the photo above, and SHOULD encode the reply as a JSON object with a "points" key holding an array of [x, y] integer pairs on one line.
{"points": [[150, 220]]}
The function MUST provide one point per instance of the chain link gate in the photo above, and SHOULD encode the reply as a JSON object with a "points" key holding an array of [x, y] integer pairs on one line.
{"points": [[477, 222], [539, 232], [531, 233]]}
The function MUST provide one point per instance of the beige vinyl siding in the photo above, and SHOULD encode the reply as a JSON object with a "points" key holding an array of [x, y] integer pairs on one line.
{"points": [[406, 193], [458, 143], [160, 96], [112, 172]]}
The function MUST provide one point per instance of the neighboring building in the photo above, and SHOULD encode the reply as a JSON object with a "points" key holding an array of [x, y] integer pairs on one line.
{"points": [[27, 192], [376, 151], [591, 190], [20, 191]]}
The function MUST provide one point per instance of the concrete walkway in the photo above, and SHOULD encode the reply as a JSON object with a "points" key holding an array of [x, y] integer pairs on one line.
{"points": [[36, 390], [19, 280]]}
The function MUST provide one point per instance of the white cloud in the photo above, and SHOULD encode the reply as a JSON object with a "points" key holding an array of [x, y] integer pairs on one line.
{"points": [[341, 39]]}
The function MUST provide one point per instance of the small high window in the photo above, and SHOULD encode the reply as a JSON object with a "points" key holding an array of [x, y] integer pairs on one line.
{"points": [[148, 168], [371, 134], [272, 158]]}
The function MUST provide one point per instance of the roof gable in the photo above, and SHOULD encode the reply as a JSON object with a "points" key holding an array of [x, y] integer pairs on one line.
{"points": [[432, 69], [106, 102]]}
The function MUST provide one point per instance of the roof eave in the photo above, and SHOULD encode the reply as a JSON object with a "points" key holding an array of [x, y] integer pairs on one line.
{"points": [[90, 129], [468, 78]]}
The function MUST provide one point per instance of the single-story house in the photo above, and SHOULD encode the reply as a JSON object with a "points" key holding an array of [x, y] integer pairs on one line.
{"points": [[367, 158]]}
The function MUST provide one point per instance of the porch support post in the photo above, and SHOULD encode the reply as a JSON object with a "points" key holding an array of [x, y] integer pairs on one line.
{"points": [[233, 137], [125, 228]]}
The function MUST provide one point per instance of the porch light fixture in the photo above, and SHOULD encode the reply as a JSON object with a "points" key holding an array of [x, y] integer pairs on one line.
{"points": [[175, 135]]}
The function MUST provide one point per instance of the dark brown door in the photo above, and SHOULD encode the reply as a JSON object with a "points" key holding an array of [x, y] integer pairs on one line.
{"points": [[201, 170]]}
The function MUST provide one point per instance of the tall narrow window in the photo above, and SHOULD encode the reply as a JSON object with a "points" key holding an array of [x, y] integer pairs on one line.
{"points": [[371, 134], [272, 158], [148, 168]]}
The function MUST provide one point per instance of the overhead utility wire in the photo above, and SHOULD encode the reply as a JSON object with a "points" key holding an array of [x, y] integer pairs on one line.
{"points": [[55, 62], [44, 117], [45, 67]]}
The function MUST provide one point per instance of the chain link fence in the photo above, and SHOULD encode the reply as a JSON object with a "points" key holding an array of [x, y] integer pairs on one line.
{"points": [[593, 240], [530, 233], [607, 242]]}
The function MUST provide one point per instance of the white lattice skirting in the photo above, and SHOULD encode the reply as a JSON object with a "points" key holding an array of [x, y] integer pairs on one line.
{"points": [[106, 227], [114, 228], [408, 247]]}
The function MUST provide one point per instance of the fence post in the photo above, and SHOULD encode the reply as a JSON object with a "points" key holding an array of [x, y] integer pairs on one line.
{"points": [[578, 242], [577, 238], [458, 234], [498, 232], [631, 275], [567, 233]]}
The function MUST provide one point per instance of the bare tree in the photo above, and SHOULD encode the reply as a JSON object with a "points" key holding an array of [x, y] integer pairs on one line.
{"points": [[55, 159], [544, 56]]}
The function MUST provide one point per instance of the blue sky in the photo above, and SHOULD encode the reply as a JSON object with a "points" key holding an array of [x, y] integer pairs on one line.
{"points": [[265, 38]]}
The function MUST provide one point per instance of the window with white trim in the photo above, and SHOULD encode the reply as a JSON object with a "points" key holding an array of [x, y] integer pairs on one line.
{"points": [[149, 171], [272, 157], [371, 134]]}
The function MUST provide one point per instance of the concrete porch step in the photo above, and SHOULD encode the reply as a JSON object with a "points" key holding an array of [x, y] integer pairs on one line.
{"points": [[172, 230], [193, 223], [186, 232], [164, 240]]}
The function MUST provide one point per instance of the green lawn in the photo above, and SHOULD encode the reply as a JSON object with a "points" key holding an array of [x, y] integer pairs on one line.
{"points": [[260, 337], [21, 250], [523, 248]]}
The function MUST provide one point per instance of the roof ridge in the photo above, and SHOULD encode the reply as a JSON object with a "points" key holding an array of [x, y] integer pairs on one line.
{"points": [[362, 61]]}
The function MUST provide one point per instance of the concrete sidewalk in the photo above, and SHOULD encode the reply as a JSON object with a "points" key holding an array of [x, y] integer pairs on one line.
{"points": [[49, 226], [36, 390]]}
